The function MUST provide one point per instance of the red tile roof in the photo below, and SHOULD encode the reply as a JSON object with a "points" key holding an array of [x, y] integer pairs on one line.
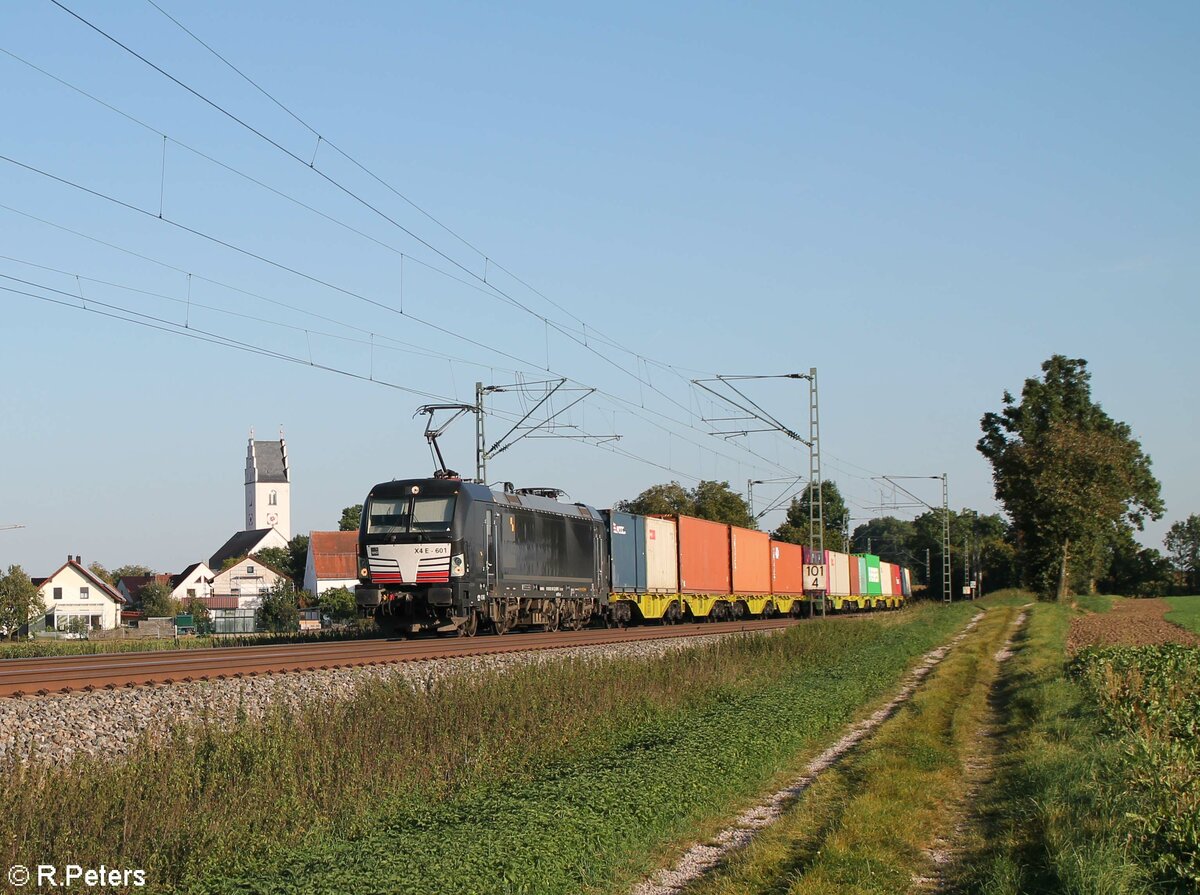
{"points": [[334, 554]]}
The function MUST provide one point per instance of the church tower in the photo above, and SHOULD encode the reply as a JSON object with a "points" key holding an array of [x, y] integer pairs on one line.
{"points": [[268, 486]]}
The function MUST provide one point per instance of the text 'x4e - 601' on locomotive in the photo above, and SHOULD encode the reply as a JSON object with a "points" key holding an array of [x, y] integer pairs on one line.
{"points": [[441, 554]]}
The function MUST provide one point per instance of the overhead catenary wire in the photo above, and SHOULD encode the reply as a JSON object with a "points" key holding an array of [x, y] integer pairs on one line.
{"points": [[574, 335]]}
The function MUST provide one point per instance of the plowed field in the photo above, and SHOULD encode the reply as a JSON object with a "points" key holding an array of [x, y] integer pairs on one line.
{"points": [[1128, 623]]}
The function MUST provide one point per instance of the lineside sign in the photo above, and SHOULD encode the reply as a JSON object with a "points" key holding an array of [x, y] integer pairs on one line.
{"points": [[814, 576]]}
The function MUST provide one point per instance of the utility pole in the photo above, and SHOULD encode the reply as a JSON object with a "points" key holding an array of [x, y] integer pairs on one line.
{"points": [[927, 581], [947, 594], [947, 576], [754, 413]]}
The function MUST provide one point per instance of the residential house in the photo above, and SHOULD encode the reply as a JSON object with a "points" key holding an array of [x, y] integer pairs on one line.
{"points": [[244, 543], [194, 582], [332, 561], [131, 586], [246, 581], [75, 597]]}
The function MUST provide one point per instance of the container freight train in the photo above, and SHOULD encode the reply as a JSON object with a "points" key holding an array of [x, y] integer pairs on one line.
{"points": [[446, 555]]}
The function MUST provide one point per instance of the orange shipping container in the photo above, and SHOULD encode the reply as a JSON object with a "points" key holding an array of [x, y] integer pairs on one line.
{"points": [[703, 556], [751, 552], [787, 569]]}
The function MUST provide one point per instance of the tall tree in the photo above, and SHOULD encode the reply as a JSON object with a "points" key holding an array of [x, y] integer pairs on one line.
{"points": [[131, 570], [351, 518], [667, 499], [890, 539], [1183, 543], [708, 500], [290, 560], [19, 602], [834, 512], [1065, 471], [720, 503], [156, 601], [102, 573], [280, 609]]}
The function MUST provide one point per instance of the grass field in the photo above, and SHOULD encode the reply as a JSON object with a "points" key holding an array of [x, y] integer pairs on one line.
{"points": [[1185, 611], [579, 775]]}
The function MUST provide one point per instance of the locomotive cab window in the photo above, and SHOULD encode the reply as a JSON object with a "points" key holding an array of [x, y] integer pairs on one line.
{"points": [[401, 515]]}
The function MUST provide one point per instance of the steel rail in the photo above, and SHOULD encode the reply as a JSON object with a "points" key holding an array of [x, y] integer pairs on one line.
{"points": [[64, 674]]}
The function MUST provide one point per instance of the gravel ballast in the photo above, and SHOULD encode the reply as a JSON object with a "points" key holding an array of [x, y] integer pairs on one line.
{"points": [[107, 723]]}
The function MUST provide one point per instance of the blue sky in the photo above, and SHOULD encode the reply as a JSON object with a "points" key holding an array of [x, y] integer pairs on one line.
{"points": [[923, 201]]}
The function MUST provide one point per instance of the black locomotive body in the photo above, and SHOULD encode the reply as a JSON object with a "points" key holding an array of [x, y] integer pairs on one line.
{"points": [[443, 554]]}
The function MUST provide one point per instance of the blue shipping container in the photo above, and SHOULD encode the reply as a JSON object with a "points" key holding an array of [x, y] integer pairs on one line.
{"points": [[627, 540]]}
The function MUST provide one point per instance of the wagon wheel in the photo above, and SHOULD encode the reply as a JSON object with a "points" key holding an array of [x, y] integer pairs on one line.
{"points": [[507, 620], [575, 618], [769, 610], [551, 615], [470, 627]]}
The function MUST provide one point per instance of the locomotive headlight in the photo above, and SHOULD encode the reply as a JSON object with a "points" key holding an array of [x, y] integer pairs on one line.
{"points": [[458, 566]]}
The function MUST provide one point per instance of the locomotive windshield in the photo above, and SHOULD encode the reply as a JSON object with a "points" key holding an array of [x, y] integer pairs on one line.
{"points": [[404, 515]]}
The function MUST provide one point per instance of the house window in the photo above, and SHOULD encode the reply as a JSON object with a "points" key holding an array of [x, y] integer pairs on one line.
{"points": [[191, 592], [83, 593], [249, 570], [272, 500], [58, 593]]}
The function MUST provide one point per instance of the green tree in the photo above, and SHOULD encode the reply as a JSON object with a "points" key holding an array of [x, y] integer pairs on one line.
{"points": [[280, 609], [890, 539], [720, 503], [130, 571], [102, 573], [1183, 543], [156, 601], [1132, 570], [338, 603], [1065, 472], [351, 518], [19, 602], [661, 500], [708, 500], [197, 609], [834, 512], [289, 560]]}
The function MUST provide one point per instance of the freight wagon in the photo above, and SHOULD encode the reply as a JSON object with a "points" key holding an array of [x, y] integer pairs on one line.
{"points": [[446, 555]]}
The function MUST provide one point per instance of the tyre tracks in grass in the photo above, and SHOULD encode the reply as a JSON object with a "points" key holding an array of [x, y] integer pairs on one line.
{"points": [[892, 813]]}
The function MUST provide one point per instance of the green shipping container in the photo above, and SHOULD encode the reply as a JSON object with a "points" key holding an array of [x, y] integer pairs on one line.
{"points": [[874, 583]]}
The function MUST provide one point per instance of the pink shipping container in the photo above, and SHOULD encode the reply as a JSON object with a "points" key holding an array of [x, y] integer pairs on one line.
{"points": [[704, 566], [838, 572], [885, 577], [751, 553], [662, 556], [787, 569]]}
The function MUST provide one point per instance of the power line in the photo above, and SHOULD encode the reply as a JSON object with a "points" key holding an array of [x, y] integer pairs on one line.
{"points": [[574, 336]]}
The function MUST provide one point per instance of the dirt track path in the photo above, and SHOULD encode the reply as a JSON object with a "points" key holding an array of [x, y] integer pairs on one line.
{"points": [[1128, 623]]}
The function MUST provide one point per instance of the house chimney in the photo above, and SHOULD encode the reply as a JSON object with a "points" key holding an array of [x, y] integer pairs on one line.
{"points": [[78, 559], [68, 557]]}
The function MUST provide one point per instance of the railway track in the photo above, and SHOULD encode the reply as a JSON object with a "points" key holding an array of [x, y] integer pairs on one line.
{"points": [[64, 674]]}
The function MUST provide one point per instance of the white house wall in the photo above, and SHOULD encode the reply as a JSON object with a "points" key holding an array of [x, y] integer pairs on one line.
{"points": [[97, 602]]}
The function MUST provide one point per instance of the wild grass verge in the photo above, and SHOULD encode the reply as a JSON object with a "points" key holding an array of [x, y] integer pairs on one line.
{"points": [[36, 649], [548, 778], [866, 825], [1056, 809]]}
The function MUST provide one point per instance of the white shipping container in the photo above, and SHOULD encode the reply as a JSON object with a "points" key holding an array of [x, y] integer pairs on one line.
{"points": [[662, 556], [885, 577], [839, 573]]}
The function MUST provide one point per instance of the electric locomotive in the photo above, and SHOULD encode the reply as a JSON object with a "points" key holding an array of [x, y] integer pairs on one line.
{"points": [[441, 554]]}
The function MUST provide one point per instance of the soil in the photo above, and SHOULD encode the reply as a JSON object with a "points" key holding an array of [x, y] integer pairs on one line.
{"points": [[1128, 623]]}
